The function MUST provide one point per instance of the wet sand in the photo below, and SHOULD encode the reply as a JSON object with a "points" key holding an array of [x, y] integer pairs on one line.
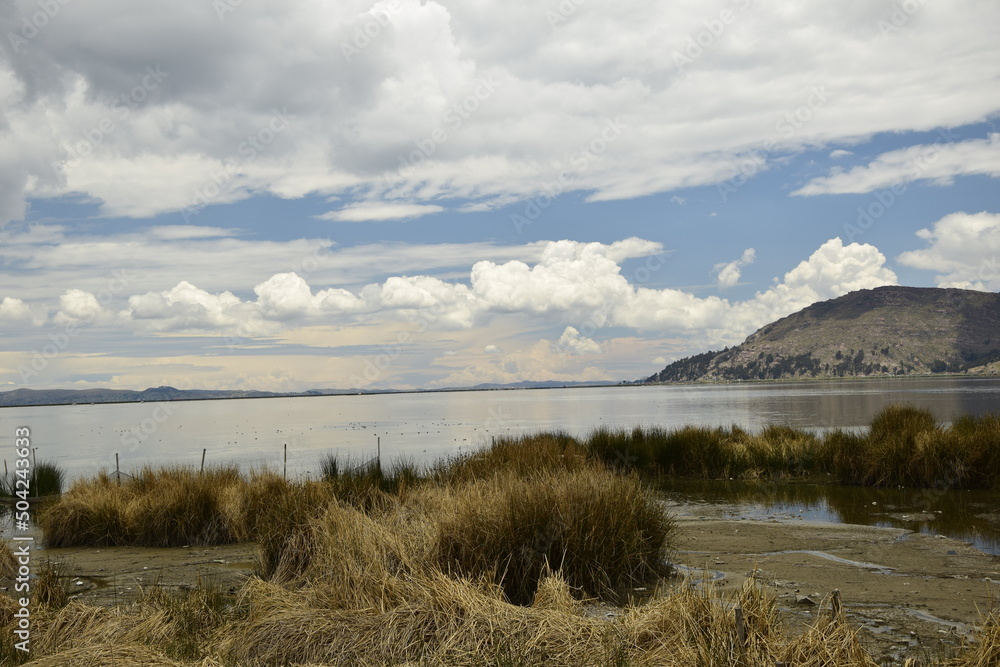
{"points": [[913, 595]]}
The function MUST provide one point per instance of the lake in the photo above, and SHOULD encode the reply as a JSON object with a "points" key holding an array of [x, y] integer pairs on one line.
{"points": [[425, 426]]}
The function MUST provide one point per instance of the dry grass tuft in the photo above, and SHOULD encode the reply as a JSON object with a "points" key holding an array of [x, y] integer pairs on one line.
{"points": [[830, 640], [8, 564], [601, 530], [703, 628], [134, 655]]}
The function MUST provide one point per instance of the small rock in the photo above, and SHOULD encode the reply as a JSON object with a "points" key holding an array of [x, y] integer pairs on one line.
{"points": [[952, 552], [804, 599]]}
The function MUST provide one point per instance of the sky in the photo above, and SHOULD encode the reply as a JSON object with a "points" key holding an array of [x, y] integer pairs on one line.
{"points": [[230, 194]]}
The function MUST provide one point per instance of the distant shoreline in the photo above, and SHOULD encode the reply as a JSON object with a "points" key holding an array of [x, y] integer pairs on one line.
{"points": [[381, 392]]}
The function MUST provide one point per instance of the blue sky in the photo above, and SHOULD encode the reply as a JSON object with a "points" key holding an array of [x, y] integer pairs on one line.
{"points": [[431, 194]]}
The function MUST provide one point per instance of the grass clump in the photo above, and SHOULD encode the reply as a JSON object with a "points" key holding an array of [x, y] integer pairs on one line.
{"points": [[47, 479], [602, 531], [158, 507]]}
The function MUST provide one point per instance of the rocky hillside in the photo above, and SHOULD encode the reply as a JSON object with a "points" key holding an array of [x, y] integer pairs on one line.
{"points": [[883, 331]]}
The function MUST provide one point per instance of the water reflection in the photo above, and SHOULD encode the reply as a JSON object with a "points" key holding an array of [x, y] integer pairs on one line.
{"points": [[970, 516]]}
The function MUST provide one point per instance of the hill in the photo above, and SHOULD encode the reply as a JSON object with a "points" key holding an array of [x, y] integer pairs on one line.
{"points": [[882, 331]]}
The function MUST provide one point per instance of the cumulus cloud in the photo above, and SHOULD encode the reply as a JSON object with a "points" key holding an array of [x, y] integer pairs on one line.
{"points": [[832, 271], [572, 342], [571, 281], [964, 250], [728, 274], [392, 121], [939, 163], [839, 153], [77, 307], [14, 310], [189, 308]]}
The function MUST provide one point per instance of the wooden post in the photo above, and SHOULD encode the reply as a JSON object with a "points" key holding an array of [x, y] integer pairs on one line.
{"points": [[34, 461], [118, 471], [285, 470], [835, 604], [378, 452], [203, 459], [741, 630]]}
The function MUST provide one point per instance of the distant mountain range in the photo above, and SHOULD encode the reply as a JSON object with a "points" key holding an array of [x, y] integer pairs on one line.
{"points": [[23, 397], [882, 331]]}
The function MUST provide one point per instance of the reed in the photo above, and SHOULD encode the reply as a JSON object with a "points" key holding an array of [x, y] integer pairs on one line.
{"points": [[47, 479], [903, 446]]}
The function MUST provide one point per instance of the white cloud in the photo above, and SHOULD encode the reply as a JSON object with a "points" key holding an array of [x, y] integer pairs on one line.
{"points": [[77, 307], [572, 342], [534, 362], [728, 274], [14, 310], [219, 260], [938, 163], [374, 211], [832, 271], [396, 122], [839, 153], [578, 282], [964, 250], [191, 309], [492, 349]]}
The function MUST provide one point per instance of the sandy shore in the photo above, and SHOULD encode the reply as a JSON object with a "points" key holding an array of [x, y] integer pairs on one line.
{"points": [[912, 594]]}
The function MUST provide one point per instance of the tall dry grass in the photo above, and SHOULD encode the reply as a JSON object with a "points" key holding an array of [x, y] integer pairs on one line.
{"points": [[406, 616], [602, 531]]}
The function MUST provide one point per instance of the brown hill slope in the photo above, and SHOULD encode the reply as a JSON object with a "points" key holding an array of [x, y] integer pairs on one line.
{"points": [[883, 331]]}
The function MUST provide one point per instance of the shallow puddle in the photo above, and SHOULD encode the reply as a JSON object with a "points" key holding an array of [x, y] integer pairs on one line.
{"points": [[968, 516]]}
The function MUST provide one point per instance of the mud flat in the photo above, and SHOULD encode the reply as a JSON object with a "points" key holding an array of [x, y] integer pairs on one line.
{"points": [[913, 595]]}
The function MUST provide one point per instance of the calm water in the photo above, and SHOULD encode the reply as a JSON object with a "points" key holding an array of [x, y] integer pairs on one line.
{"points": [[426, 426], [970, 516]]}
